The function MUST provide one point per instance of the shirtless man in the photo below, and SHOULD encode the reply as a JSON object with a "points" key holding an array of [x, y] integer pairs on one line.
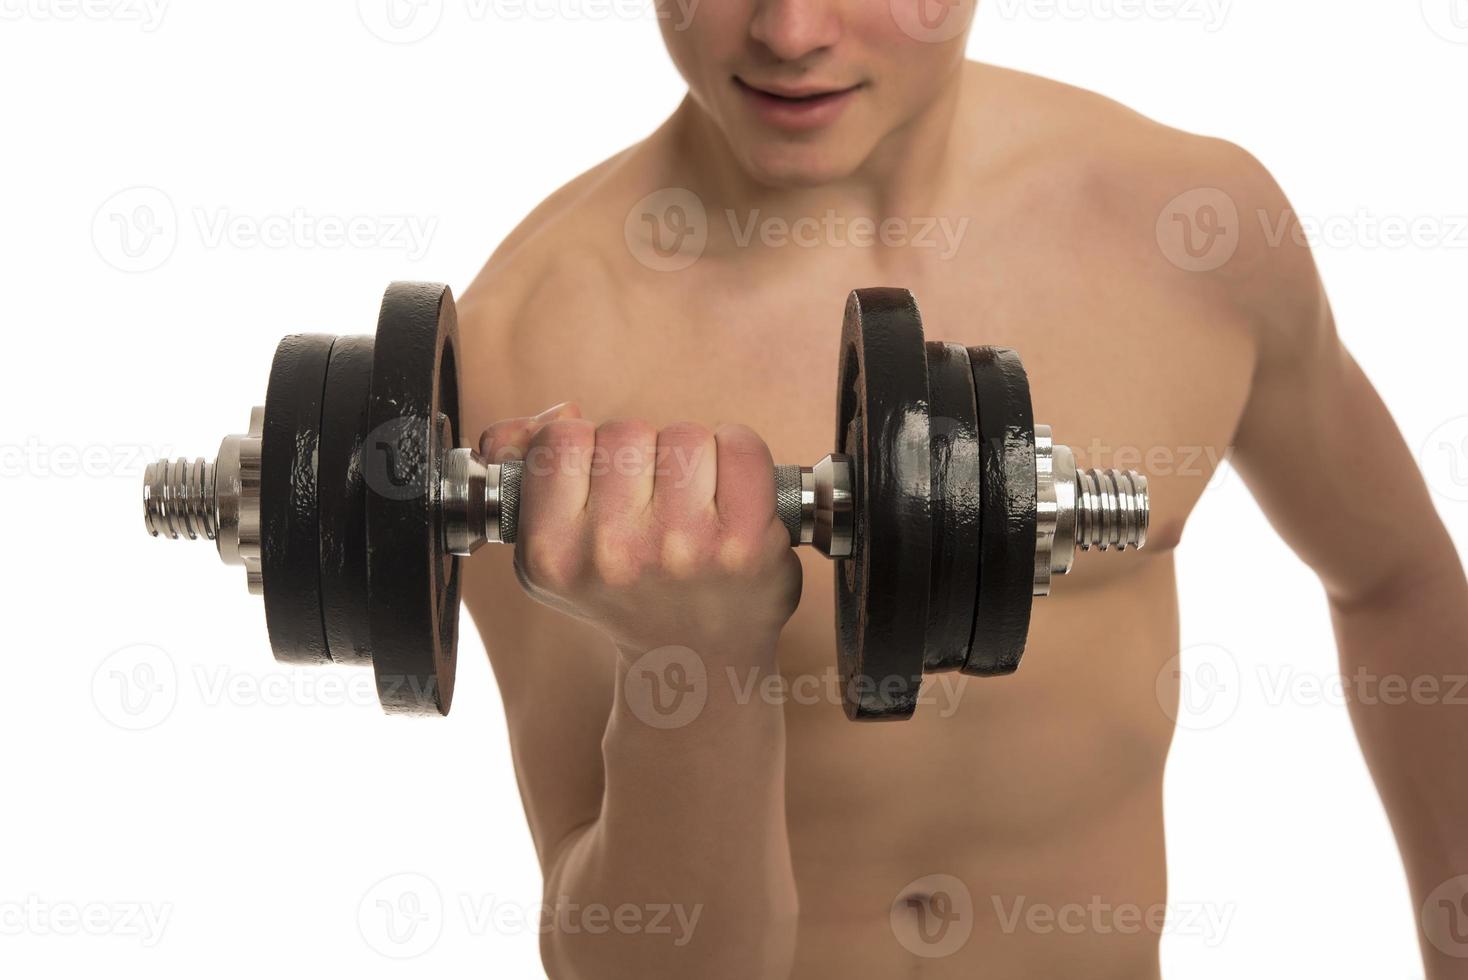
{"points": [[806, 843]]}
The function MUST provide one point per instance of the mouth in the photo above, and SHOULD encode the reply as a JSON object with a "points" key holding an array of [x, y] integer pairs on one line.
{"points": [[797, 107]]}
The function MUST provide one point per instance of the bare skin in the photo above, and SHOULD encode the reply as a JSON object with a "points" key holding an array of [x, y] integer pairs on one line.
{"points": [[798, 832]]}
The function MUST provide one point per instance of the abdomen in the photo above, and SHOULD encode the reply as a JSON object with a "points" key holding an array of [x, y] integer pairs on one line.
{"points": [[1024, 813]]}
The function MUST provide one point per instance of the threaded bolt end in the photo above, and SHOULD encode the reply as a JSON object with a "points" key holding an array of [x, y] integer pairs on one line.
{"points": [[1112, 509], [179, 499]]}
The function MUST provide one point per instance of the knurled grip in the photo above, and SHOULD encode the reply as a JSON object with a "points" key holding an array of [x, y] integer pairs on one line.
{"points": [[788, 482], [787, 499]]}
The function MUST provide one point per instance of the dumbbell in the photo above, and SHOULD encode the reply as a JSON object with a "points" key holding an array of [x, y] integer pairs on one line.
{"points": [[349, 503]]}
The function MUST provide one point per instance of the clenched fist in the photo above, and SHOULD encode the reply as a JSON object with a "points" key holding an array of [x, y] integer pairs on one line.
{"points": [[657, 537]]}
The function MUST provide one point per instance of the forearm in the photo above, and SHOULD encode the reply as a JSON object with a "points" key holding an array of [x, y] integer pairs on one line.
{"points": [[1404, 654], [692, 830]]}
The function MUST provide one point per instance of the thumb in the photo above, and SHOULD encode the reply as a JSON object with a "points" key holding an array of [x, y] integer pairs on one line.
{"points": [[508, 439]]}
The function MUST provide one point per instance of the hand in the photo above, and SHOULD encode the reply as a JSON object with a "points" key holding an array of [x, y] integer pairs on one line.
{"points": [[656, 537]]}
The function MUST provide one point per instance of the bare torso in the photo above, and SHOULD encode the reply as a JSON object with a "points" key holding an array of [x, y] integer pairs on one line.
{"points": [[1039, 791]]}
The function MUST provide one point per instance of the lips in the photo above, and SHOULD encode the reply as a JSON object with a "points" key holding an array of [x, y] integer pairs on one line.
{"points": [[800, 107]]}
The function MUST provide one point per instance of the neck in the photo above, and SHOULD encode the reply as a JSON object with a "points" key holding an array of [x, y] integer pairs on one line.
{"points": [[904, 173]]}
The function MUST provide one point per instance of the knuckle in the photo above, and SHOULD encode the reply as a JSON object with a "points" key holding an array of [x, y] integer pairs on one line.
{"points": [[742, 442], [505, 440], [683, 448], [681, 554], [547, 567], [626, 432], [565, 433], [741, 553], [615, 559], [684, 433], [560, 445], [623, 448]]}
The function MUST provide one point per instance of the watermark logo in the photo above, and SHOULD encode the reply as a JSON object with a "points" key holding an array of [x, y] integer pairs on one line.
{"points": [[1447, 18], [933, 916], [1444, 459], [1284, 685], [147, 14], [136, 687], [400, 21], [1207, 921], [667, 230], [1188, 462], [220, 686], [69, 461], [678, 12], [942, 234], [1445, 917], [940, 695], [1211, 14], [1365, 229], [401, 916], [667, 688], [393, 458], [405, 22], [409, 234], [35, 916], [136, 229], [1198, 231], [1200, 688], [673, 923], [933, 21], [1204, 686], [139, 228]]}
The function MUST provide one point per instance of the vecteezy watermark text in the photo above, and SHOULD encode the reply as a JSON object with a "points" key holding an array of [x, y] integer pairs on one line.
{"points": [[139, 228], [507, 917], [670, 229], [147, 14], [35, 916], [410, 21], [1204, 920], [1209, 14], [404, 915]]}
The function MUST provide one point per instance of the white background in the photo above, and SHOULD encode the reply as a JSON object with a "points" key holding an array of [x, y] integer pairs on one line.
{"points": [[259, 818]]}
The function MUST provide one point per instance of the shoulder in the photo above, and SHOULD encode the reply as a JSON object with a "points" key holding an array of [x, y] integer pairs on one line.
{"points": [[567, 265], [558, 243], [1198, 217]]}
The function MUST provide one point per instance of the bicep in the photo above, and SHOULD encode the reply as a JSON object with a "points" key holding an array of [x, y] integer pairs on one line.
{"points": [[1327, 463], [556, 678]]}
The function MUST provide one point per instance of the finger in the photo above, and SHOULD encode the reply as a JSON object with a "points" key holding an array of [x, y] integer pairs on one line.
{"points": [[509, 438], [622, 468], [556, 478], [745, 493], [685, 476]]}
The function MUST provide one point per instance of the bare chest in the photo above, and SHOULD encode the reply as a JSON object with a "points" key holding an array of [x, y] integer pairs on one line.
{"points": [[1124, 378]]}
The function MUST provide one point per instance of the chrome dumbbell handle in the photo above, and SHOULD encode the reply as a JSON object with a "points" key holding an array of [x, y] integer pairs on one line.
{"points": [[481, 502]]}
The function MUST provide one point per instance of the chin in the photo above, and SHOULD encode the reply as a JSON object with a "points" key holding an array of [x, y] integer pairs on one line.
{"points": [[782, 164]]}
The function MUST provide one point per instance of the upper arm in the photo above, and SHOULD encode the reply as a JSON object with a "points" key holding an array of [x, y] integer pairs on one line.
{"points": [[556, 679], [556, 675], [1315, 443]]}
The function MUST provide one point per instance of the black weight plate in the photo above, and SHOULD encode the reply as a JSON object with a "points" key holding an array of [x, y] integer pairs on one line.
{"points": [[1007, 488], [412, 582], [956, 512], [882, 424], [290, 555], [342, 502]]}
